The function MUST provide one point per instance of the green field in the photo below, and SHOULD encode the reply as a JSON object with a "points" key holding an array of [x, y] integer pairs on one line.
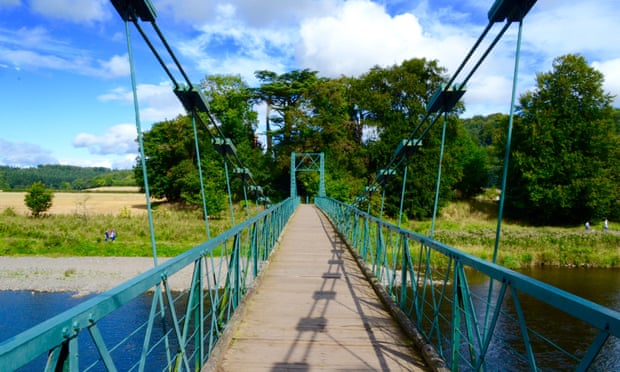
{"points": [[469, 226]]}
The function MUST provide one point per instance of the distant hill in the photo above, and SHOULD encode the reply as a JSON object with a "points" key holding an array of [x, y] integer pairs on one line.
{"points": [[64, 177]]}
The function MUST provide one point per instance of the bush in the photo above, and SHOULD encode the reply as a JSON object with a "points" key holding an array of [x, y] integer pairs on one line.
{"points": [[38, 199]]}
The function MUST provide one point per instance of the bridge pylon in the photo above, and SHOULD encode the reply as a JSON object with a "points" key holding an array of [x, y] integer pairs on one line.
{"points": [[307, 162]]}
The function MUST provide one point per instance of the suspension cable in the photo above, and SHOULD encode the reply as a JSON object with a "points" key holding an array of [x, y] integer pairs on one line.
{"points": [[450, 93], [202, 185], [141, 144], [435, 204]]}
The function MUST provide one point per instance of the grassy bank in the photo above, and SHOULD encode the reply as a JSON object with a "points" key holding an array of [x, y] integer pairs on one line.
{"points": [[467, 226], [471, 227], [81, 235]]}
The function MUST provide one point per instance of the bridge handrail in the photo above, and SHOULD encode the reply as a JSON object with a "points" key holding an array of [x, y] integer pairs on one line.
{"points": [[19, 350], [347, 217]]}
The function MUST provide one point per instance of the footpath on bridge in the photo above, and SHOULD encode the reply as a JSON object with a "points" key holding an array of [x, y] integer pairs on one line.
{"points": [[314, 310]]}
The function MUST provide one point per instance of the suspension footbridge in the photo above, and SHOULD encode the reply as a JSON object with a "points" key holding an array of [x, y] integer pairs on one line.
{"points": [[324, 287], [315, 310]]}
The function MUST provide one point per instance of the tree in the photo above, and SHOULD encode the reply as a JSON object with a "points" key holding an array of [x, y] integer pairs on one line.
{"points": [[171, 156], [230, 100], [285, 94], [335, 129], [565, 157], [38, 199], [487, 131], [391, 102]]}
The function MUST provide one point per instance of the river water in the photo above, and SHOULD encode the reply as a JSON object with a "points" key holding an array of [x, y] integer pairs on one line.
{"points": [[601, 286], [20, 310]]}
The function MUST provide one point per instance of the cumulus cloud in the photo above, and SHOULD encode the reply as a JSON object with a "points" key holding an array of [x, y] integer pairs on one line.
{"points": [[611, 70], [71, 10], [360, 35], [266, 14], [157, 102], [36, 48], [119, 139], [108, 161], [115, 66], [21, 154]]}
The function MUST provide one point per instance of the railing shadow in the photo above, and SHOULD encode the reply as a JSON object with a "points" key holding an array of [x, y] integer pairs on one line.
{"points": [[430, 283], [340, 267]]}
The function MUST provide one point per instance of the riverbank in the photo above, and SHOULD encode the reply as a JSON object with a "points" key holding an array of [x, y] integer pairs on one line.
{"points": [[83, 275]]}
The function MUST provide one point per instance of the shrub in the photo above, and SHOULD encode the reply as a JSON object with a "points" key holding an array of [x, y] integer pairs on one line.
{"points": [[38, 199], [9, 212]]}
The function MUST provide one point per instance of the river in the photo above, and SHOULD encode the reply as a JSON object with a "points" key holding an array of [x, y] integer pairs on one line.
{"points": [[20, 310]]}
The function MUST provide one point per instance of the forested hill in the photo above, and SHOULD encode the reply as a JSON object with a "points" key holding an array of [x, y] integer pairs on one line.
{"points": [[63, 177]]}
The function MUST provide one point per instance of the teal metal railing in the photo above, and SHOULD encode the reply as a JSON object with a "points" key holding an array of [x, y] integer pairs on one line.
{"points": [[181, 328], [429, 281]]}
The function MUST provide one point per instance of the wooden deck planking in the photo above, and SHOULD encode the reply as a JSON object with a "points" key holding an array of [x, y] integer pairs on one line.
{"points": [[314, 311]]}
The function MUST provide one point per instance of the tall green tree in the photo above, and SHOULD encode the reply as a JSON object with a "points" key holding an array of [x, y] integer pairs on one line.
{"points": [[335, 129], [285, 95], [565, 148], [172, 159], [230, 100], [172, 167], [487, 132], [288, 109], [391, 102], [38, 199]]}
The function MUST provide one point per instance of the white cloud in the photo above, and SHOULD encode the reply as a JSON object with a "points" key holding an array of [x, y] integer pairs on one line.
{"points": [[22, 154], [490, 94], [125, 162], [359, 34], [156, 102], [87, 162], [108, 161], [119, 139], [30, 59], [265, 14], [71, 10], [611, 70], [115, 66], [36, 48], [232, 48], [36, 38], [556, 28]]}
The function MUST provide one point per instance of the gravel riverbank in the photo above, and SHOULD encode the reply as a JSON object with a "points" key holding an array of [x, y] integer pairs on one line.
{"points": [[77, 274]]}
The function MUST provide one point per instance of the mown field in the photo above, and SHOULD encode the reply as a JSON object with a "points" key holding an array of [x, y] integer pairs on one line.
{"points": [[103, 200], [76, 223]]}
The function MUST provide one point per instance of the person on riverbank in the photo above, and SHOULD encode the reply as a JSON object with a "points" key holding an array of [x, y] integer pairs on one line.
{"points": [[606, 224], [107, 235], [587, 225]]}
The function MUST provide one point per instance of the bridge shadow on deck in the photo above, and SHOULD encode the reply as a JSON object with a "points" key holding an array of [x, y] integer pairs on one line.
{"points": [[314, 310]]}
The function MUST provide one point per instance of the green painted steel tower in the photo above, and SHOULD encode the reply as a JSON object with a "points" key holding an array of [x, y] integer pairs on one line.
{"points": [[307, 162]]}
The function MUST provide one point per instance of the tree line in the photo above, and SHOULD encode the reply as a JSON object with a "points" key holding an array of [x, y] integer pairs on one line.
{"points": [[63, 177], [563, 167], [563, 164]]}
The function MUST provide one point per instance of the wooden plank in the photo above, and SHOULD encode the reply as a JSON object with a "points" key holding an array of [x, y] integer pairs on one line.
{"points": [[314, 310]]}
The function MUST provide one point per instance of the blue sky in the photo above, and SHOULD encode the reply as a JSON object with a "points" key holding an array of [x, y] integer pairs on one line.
{"points": [[66, 93]]}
